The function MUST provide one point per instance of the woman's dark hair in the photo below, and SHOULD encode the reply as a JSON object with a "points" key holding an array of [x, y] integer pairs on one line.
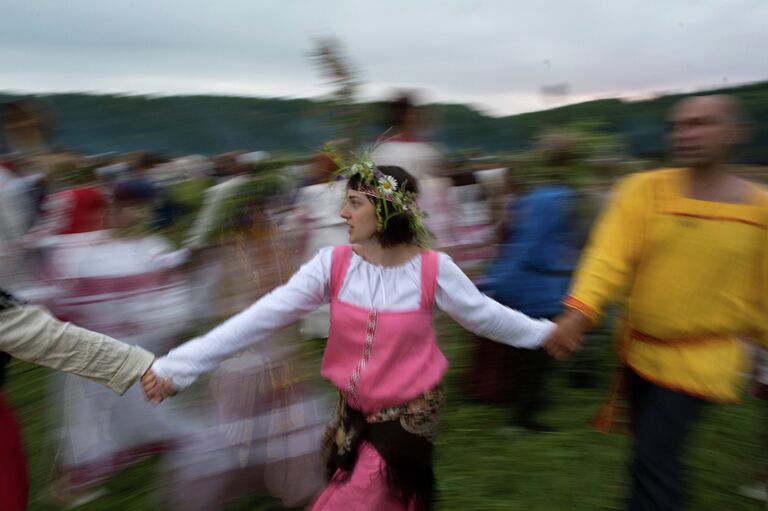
{"points": [[398, 229]]}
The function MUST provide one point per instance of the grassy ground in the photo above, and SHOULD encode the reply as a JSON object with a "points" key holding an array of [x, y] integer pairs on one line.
{"points": [[482, 464]]}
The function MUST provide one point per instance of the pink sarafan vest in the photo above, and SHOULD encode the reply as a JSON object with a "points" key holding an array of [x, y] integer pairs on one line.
{"points": [[379, 359]]}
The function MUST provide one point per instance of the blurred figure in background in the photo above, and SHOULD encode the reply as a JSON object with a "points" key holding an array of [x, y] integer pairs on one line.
{"points": [[474, 232], [123, 282], [503, 188], [232, 175], [145, 167], [403, 146], [686, 247], [110, 174], [143, 164], [77, 204], [15, 216], [206, 232], [270, 421], [24, 190], [318, 206], [531, 274], [26, 128], [26, 124]]}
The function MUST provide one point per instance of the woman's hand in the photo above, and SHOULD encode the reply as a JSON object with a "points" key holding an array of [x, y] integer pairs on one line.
{"points": [[156, 389], [568, 337]]}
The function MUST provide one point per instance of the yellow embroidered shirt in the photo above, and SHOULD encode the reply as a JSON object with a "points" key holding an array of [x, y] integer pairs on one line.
{"points": [[693, 276]]}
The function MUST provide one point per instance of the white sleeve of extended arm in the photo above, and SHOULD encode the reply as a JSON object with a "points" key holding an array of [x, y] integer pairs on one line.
{"points": [[478, 313], [303, 293]]}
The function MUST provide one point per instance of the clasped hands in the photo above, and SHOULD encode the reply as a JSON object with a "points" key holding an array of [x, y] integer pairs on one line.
{"points": [[568, 335], [566, 339], [156, 389]]}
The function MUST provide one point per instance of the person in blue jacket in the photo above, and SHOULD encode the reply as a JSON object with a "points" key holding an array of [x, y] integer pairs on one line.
{"points": [[531, 273]]}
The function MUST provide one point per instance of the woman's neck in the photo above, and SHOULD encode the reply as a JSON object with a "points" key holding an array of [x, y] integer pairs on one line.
{"points": [[375, 254]]}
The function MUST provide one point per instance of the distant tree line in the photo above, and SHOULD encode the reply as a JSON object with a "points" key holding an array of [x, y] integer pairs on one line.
{"points": [[178, 125]]}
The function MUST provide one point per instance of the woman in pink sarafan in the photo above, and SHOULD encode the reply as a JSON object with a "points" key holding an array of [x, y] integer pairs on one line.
{"points": [[382, 354]]}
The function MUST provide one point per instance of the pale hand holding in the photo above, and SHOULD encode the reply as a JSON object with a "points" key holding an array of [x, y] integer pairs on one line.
{"points": [[156, 389]]}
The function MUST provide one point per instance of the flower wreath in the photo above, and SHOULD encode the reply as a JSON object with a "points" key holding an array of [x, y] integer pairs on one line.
{"points": [[392, 200]]}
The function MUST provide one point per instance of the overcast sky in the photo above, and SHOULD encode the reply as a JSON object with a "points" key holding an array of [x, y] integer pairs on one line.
{"points": [[495, 54]]}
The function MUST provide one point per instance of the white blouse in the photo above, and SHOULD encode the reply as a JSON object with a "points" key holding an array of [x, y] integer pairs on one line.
{"points": [[366, 285]]}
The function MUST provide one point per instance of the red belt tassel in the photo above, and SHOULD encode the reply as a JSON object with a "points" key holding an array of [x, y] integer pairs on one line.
{"points": [[613, 416]]}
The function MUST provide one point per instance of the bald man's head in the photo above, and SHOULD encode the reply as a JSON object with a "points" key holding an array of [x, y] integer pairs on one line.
{"points": [[728, 109], [705, 129]]}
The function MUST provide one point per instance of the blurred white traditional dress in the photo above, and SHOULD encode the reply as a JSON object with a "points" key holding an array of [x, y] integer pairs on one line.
{"points": [[15, 211], [319, 206], [127, 288], [270, 420]]}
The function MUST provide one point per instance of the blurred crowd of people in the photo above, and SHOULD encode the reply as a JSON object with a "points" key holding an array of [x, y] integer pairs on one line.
{"points": [[151, 250]]}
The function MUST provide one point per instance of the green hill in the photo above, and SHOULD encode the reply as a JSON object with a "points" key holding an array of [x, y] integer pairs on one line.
{"points": [[210, 124]]}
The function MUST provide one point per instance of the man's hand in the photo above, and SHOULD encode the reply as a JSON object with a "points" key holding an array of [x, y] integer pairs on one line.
{"points": [[156, 389], [568, 336]]}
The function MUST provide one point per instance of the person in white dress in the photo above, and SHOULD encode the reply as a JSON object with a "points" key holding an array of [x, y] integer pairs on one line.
{"points": [[126, 284], [403, 146], [317, 205]]}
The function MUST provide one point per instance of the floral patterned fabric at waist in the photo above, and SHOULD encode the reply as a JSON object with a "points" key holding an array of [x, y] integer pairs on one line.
{"points": [[419, 416]]}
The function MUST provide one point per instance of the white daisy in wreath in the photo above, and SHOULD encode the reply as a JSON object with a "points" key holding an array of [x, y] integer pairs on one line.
{"points": [[388, 185]]}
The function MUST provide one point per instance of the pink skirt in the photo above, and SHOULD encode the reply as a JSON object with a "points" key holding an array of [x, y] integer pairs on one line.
{"points": [[364, 490]]}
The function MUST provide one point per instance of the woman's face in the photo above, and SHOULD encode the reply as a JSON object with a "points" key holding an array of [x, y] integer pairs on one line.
{"points": [[360, 215]]}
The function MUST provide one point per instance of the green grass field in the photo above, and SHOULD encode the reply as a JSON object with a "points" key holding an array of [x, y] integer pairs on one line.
{"points": [[482, 464]]}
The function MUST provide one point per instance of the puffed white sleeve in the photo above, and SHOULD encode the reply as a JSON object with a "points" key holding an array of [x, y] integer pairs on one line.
{"points": [[303, 293], [478, 313]]}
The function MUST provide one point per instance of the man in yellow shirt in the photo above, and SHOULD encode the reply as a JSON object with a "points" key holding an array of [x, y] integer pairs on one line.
{"points": [[685, 250]]}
